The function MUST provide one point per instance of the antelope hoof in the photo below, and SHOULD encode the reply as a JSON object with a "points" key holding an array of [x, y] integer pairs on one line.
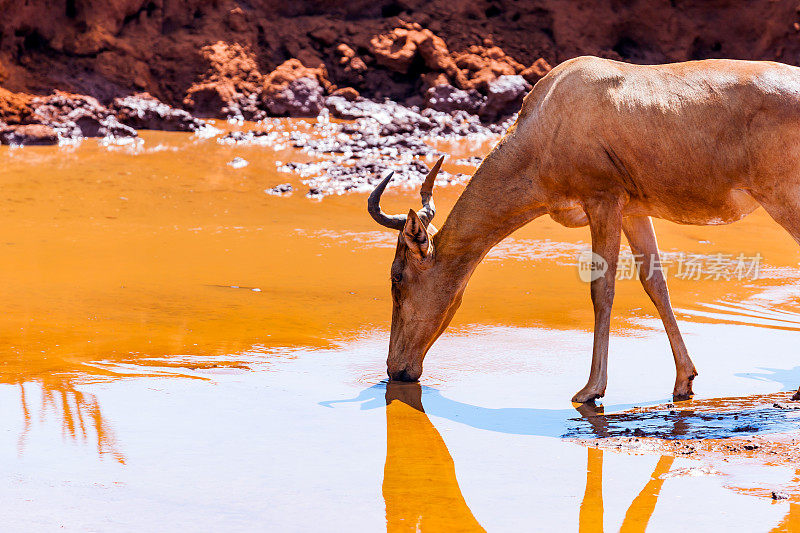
{"points": [[683, 388], [587, 395], [682, 391], [681, 396]]}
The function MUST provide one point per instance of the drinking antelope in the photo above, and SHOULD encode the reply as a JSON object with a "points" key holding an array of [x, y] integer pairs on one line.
{"points": [[607, 144]]}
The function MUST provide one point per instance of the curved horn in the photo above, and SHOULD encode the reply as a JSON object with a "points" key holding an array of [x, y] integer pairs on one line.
{"points": [[374, 207], [428, 210]]}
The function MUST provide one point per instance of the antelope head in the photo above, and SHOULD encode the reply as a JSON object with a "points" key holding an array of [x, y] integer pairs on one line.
{"points": [[421, 307]]}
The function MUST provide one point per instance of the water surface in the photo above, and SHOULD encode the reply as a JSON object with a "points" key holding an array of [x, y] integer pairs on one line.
{"points": [[181, 349]]}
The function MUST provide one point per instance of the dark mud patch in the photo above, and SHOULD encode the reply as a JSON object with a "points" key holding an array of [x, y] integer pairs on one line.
{"points": [[763, 429], [690, 420]]}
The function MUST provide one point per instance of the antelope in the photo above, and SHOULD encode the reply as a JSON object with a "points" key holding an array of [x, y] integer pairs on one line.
{"points": [[609, 145]]}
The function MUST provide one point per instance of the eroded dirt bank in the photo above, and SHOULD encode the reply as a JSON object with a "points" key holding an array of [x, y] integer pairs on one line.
{"points": [[257, 59], [113, 48]]}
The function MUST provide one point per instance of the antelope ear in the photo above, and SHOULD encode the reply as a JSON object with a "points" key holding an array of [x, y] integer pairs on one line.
{"points": [[416, 236]]}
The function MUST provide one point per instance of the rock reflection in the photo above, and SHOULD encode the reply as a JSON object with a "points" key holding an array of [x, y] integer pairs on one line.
{"points": [[640, 510], [78, 413], [419, 480]]}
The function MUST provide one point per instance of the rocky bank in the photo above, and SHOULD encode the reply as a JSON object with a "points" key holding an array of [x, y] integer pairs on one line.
{"points": [[400, 70], [482, 81], [255, 58], [196, 51], [262, 58]]}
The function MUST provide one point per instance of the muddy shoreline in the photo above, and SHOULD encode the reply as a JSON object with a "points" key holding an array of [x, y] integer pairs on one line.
{"points": [[350, 143], [759, 430], [353, 140]]}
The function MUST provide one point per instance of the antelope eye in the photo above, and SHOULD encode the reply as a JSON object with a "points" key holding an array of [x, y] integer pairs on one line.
{"points": [[397, 278]]}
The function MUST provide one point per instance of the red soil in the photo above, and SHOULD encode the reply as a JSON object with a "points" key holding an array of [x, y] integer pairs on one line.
{"points": [[202, 54]]}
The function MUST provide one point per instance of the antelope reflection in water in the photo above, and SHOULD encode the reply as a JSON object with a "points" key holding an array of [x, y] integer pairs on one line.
{"points": [[419, 480], [642, 507], [421, 490], [640, 510], [420, 486], [79, 413]]}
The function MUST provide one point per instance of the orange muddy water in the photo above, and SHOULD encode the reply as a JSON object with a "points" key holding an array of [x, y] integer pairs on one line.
{"points": [[182, 350]]}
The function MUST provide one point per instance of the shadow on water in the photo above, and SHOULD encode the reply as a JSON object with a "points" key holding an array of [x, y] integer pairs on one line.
{"points": [[702, 419], [511, 420], [788, 378]]}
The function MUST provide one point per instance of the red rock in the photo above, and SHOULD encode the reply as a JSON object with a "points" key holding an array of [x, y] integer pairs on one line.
{"points": [[395, 49], [537, 71], [469, 61], [295, 90], [28, 134], [349, 59], [291, 70], [434, 79], [15, 108], [303, 97], [237, 20], [348, 93], [230, 78], [482, 65], [346, 52], [234, 62], [76, 116], [324, 34], [106, 49], [434, 52], [212, 98]]}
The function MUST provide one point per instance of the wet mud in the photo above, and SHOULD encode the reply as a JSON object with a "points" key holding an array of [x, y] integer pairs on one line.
{"points": [[721, 418]]}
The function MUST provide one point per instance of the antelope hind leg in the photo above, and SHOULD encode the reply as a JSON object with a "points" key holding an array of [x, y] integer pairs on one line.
{"points": [[785, 210], [639, 232]]}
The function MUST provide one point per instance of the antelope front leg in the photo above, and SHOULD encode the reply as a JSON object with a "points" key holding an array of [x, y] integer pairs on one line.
{"points": [[642, 238], [605, 223]]}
